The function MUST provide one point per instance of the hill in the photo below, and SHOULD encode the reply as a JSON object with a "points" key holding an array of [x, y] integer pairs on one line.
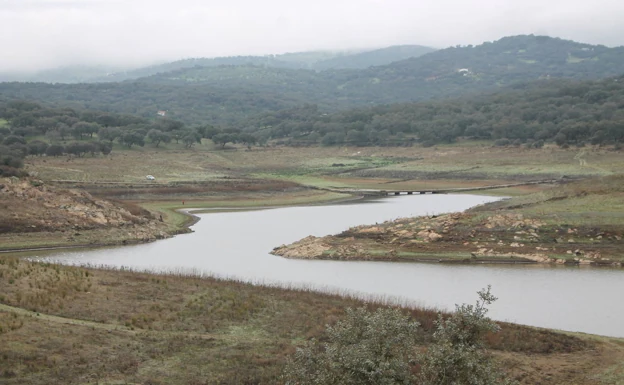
{"points": [[313, 60], [568, 112], [377, 57], [230, 94]]}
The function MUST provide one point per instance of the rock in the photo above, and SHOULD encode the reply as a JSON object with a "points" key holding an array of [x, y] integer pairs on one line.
{"points": [[571, 240]]}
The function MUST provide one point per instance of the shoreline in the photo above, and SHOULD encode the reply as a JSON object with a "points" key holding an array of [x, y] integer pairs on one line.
{"points": [[534, 229], [190, 219]]}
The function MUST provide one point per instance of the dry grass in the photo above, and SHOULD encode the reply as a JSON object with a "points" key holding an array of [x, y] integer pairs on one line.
{"points": [[338, 164], [80, 325]]}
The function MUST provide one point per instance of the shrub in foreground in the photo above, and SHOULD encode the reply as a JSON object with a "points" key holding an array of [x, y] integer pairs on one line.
{"points": [[380, 348]]}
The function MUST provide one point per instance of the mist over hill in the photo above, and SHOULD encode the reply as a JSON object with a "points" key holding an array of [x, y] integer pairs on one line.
{"points": [[312, 60], [230, 94]]}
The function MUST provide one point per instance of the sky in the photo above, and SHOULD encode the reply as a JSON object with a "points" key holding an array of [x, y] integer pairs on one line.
{"points": [[41, 34]]}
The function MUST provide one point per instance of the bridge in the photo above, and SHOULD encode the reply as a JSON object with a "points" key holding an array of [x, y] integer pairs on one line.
{"points": [[378, 193]]}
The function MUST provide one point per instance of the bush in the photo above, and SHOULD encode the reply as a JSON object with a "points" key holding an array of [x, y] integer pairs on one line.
{"points": [[379, 348], [55, 150], [12, 139], [502, 142], [364, 348], [458, 355], [10, 157], [7, 171], [37, 147]]}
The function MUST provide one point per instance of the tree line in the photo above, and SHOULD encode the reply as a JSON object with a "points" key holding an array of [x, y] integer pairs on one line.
{"points": [[28, 128]]}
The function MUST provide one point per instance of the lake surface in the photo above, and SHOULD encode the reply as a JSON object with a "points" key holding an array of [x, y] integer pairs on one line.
{"points": [[237, 245]]}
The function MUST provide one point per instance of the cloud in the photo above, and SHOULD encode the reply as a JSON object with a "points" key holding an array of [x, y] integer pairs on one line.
{"points": [[36, 34]]}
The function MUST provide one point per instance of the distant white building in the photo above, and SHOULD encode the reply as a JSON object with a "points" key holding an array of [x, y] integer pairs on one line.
{"points": [[161, 113]]}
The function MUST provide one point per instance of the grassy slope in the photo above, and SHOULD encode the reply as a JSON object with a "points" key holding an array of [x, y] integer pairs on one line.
{"points": [[76, 325]]}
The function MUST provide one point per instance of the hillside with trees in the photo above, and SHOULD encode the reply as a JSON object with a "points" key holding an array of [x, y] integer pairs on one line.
{"points": [[563, 111], [232, 94]]}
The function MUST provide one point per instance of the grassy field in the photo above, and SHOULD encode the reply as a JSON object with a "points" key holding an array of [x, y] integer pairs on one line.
{"points": [[369, 167], [61, 324]]}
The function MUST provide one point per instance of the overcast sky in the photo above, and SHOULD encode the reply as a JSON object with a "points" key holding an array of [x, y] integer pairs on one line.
{"points": [[37, 34]]}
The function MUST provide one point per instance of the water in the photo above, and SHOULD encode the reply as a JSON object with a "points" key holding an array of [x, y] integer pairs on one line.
{"points": [[237, 245]]}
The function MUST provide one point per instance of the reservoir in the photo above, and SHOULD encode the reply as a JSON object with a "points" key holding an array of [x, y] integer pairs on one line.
{"points": [[236, 244]]}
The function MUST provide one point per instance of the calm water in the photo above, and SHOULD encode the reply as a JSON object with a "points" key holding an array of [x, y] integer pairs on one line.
{"points": [[237, 245]]}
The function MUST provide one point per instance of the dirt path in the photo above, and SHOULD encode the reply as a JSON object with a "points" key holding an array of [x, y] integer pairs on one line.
{"points": [[121, 328]]}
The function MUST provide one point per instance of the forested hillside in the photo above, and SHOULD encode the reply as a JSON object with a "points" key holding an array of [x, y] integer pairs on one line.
{"points": [[564, 111], [232, 94], [189, 103]]}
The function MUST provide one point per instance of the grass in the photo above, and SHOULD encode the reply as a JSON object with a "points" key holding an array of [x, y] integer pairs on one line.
{"points": [[83, 325], [578, 222], [465, 164]]}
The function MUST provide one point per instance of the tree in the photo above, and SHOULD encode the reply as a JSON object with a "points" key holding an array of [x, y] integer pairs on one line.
{"points": [[208, 131], [55, 150], [247, 139], [157, 136], [132, 138], [458, 355], [63, 130], [78, 148], [332, 139], [364, 348], [190, 138], [105, 148], [224, 138], [561, 139], [109, 133], [11, 139], [83, 128], [37, 147]]}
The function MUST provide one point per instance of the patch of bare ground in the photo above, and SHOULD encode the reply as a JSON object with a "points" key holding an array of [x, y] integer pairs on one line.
{"points": [[578, 223], [31, 209], [63, 324]]}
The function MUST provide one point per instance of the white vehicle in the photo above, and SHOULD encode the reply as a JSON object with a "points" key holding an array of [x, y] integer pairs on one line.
{"points": [[150, 177]]}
